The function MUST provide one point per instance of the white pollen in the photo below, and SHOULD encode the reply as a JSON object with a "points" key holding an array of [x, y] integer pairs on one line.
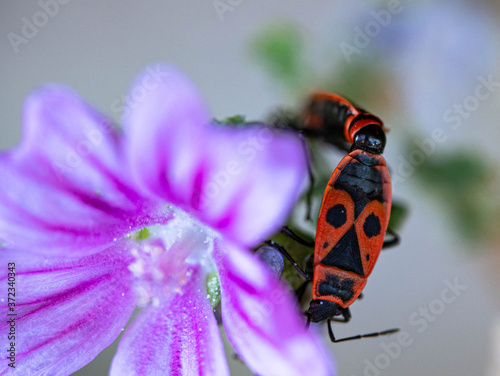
{"points": [[136, 268]]}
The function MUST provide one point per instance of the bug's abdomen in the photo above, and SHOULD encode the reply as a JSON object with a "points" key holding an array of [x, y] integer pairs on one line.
{"points": [[337, 285]]}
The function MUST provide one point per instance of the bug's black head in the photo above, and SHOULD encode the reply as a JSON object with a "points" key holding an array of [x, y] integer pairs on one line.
{"points": [[320, 310], [370, 138]]}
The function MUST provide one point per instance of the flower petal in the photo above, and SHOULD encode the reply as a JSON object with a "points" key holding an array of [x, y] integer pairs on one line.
{"points": [[262, 322], [240, 181], [67, 311], [255, 177], [179, 337], [64, 190]]}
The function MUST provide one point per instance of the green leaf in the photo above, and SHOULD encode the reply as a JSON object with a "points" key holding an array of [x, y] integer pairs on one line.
{"points": [[462, 181], [235, 121], [280, 50], [457, 173]]}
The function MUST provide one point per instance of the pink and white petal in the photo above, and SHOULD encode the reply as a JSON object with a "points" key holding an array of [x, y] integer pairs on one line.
{"points": [[255, 177], [165, 128], [65, 189], [68, 311], [241, 181], [179, 337], [262, 321]]}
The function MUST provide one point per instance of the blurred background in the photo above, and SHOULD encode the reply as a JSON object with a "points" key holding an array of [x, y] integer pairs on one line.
{"points": [[429, 69]]}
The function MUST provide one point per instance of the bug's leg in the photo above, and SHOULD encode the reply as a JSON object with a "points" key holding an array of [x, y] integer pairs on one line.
{"points": [[301, 290], [330, 331], [310, 190], [360, 296], [285, 230], [309, 269], [347, 316], [394, 241], [283, 118], [284, 252], [376, 334], [309, 195]]}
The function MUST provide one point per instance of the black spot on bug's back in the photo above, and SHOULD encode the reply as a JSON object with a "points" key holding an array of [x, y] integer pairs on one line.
{"points": [[345, 254], [371, 227], [333, 286], [325, 245], [367, 257], [336, 215]]}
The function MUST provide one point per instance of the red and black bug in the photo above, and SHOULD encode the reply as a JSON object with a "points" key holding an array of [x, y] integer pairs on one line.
{"points": [[355, 210]]}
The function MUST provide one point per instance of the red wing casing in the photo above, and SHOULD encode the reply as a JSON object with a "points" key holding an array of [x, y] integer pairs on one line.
{"points": [[328, 110], [351, 227]]}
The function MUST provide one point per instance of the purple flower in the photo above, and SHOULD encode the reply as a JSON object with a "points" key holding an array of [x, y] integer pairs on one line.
{"points": [[98, 221]]}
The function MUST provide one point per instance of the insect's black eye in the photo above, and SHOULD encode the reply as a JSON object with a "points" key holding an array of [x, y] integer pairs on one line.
{"points": [[370, 138]]}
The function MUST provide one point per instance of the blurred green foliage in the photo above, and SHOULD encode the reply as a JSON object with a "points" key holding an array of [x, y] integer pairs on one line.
{"points": [[462, 181], [236, 121], [280, 49]]}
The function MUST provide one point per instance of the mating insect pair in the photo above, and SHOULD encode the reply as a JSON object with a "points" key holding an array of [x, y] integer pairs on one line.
{"points": [[355, 210]]}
